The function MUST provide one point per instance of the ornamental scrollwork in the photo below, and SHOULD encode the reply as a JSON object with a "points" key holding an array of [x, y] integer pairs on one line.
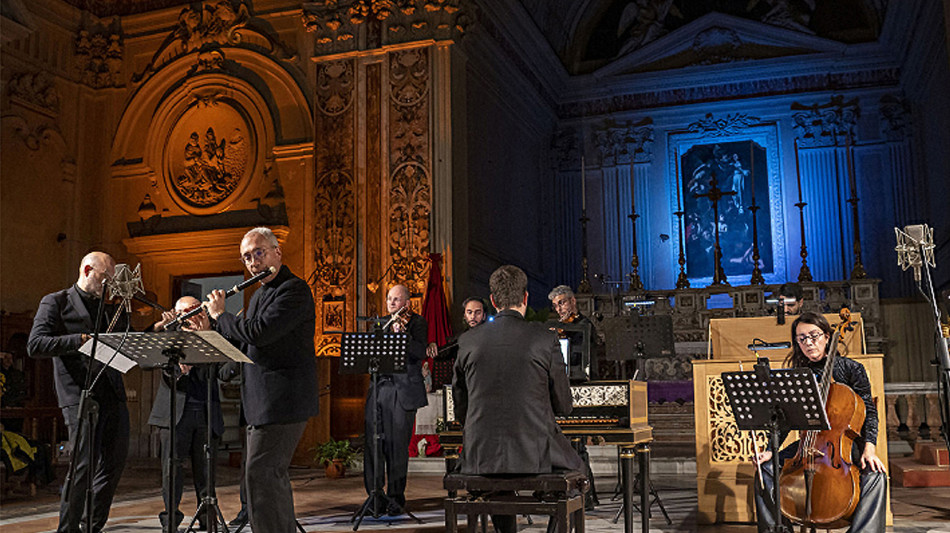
{"points": [[99, 57], [629, 142], [600, 395], [410, 188], [335, 88], [336, 24], [895, 118], [335, 228], [212, 168], [727, 444], [710, 126], [567, 148], [35, 89], [826, 124]]}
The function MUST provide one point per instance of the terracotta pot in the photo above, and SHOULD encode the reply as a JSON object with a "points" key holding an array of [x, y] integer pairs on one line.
{"points": [[335, 469]]}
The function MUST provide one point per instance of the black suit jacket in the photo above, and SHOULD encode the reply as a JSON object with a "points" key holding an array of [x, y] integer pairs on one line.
{"points": [[198, 375], [510, 381], [276, 333], [60, 321], [410, 386]]}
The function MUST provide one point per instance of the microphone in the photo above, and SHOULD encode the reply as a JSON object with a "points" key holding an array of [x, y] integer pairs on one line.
{"points": [[125, 284], [230, 292], [915, 246]]}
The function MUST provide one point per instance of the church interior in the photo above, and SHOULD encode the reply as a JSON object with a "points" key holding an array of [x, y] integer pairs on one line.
{"points": [[671, 158]]}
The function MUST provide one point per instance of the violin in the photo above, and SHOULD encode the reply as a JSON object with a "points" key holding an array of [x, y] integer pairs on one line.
{"points": [[401, 316], [820, 486]]}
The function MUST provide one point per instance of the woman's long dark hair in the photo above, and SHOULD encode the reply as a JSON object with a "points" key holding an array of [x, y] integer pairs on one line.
{"points": [[797, 357]]}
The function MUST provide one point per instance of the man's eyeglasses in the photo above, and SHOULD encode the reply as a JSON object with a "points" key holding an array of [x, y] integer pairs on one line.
{"points": [[812, 337], [256, 253]]}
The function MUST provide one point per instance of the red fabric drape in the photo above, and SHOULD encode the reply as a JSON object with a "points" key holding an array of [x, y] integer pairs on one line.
{"points": [[434, 308], [436, 313]]}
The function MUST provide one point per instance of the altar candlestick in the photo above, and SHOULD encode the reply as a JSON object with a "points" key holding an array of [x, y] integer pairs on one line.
{"points": [[583, 186], [676, 159]]}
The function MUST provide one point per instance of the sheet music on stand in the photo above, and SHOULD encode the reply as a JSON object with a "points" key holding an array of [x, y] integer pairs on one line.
{"points": [[793, 391], [143, 349], [361, 350]]}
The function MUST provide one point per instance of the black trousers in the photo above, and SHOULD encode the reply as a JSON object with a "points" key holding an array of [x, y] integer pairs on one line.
{"points": [[395, 426], [868, 517], [110, 445], [270, 497], [191, 435]]}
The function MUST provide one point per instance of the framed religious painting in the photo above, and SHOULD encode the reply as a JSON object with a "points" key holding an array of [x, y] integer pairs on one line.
{"points": [[723, 177]]}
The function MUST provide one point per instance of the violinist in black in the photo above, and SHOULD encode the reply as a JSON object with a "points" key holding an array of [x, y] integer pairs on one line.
{"points": [[565, 305], [811, 334]]}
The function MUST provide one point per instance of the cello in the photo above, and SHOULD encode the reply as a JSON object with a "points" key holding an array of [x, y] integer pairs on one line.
{"points": [[820, 486]]}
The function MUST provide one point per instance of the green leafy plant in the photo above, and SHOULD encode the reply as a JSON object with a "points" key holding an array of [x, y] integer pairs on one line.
{"points": [[335, 449]]}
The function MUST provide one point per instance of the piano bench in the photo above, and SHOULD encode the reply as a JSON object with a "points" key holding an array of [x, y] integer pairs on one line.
{"points": [[559, 495]]}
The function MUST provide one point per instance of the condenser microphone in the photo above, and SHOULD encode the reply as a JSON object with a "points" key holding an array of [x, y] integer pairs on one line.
{"points": [[915, 246], [126, 283]]}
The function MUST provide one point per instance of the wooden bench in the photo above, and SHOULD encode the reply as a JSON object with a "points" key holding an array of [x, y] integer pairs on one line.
{"points": [[559, 495]]}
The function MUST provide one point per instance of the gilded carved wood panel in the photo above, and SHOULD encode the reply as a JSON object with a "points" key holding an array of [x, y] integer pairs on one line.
{"points": [[727, 443]]}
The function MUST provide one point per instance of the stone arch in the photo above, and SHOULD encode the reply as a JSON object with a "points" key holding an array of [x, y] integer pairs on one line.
{"points": [[229, 94]]}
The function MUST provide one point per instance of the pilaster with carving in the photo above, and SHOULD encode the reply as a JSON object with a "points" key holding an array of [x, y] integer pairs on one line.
{"points": [[410, 166], [334, 200]]}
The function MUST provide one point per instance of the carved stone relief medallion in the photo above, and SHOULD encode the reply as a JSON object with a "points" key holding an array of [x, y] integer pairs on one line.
{"points": [[209, 156]]}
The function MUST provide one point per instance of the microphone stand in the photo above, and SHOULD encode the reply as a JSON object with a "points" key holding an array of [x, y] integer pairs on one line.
{"points": [[88, 414], [942, 358]]}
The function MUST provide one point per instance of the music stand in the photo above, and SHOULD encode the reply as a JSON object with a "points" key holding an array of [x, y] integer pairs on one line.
{"points": [[651, 336], [374, 353], [166, 350], [771, 399], [579, 339]]}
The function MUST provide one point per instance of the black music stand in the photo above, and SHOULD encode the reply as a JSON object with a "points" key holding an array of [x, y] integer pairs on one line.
{"points": [[772, 400], [166, 350], [374, 353], [650, 336], [579, 341]]}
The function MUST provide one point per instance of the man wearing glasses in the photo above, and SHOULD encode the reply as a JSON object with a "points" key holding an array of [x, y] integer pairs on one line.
{"points": [[279, 390]]}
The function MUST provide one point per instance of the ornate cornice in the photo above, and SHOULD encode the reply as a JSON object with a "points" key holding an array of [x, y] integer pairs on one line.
{"points": [[347, 25], [634, 101], [711, 126], [826, 124]]}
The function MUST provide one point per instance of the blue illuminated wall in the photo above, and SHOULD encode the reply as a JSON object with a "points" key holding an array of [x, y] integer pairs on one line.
{"points": [[842, 124]]}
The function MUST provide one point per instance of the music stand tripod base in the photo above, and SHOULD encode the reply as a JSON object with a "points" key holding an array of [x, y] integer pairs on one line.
{"points": [[374, 353]]}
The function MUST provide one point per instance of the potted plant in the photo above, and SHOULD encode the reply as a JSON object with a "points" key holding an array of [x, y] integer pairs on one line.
{"points": [[335, 455]]}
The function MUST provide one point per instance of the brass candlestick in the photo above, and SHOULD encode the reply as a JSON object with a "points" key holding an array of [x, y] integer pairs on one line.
{"points": [[682, 282], [757, 278], [857, 272], [804, 274]]}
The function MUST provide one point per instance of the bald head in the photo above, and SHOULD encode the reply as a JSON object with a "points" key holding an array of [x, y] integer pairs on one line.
{"points": [[397, 298], [95, 268]]}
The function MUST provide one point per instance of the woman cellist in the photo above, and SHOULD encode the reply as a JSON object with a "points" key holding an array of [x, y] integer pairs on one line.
{"points": [[811, 335]]}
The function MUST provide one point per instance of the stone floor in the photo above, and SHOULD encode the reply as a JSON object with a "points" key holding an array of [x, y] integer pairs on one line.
{"points": [[327, 505]]}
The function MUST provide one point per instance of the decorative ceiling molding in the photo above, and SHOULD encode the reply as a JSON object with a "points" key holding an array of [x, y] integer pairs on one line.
{"points": [[348, 25], [211, 26]]}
